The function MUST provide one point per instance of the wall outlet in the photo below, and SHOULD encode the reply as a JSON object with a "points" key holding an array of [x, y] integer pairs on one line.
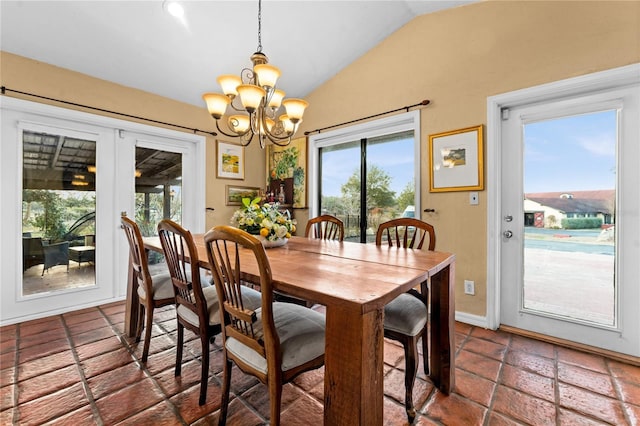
{"points": [[469, 287], [473, 198]]}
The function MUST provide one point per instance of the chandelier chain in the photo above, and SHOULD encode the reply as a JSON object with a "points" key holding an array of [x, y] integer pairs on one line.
{"points": [[259, 25]]}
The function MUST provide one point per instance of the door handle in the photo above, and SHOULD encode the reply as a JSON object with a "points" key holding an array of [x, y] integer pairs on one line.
{"points": [[508, 218], [507, 234]]}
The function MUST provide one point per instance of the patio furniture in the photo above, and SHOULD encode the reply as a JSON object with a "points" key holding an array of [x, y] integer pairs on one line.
{"points": [[55, 254], [82, 254], [32, 253]]}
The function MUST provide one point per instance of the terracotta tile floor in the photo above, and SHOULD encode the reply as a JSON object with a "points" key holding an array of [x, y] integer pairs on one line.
{"points": [[78, 368]]}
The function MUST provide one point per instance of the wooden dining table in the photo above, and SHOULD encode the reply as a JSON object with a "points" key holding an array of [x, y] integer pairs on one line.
{"points": [[354, 282]]}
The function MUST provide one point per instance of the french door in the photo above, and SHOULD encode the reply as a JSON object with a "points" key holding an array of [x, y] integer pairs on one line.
{"points": [[567, 222], [65, 179]]}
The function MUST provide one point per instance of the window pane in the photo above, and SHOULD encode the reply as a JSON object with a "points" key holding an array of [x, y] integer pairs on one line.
{"points": [[158, 188], [570, 199], [58, 212], [389, 189]]}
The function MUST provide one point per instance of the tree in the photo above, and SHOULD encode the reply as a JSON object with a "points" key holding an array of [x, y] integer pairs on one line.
{"points": [[50, 221], [407, 197], [378, 193]]}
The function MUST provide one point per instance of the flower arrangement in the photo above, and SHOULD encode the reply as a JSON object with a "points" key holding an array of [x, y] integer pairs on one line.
{"points": [[265, 220]]}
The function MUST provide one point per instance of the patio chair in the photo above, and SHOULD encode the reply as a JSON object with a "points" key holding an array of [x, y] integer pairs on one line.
{"points": [[405, 317], [153, 291], [325, 227], [31, 251], [275, 341], [55, 254], [197, 308]]}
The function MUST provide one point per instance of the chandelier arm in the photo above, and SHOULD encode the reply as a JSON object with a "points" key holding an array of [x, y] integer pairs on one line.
{"points": [[229, 134]]}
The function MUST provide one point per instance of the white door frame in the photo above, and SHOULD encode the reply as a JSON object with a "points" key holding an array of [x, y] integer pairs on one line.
{"points": [[590, 83], [108, 207]]}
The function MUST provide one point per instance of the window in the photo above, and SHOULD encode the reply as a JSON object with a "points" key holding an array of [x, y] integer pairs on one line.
{"points": [[366, 174]]}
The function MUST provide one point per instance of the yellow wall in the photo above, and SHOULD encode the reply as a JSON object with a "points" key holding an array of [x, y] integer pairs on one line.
{"points": [[456, 58]]}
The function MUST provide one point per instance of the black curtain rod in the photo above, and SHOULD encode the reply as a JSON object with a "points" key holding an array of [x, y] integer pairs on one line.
{"points": [[407, 108], [4, 89]]}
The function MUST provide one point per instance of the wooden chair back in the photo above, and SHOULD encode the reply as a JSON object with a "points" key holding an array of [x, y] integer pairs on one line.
{"points": [[224, 244], [407, 233], [325, 227], [137, 254], [181, 255]]}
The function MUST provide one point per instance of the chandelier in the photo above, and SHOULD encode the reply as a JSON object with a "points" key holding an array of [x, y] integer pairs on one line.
{"points": [[256, 102]]}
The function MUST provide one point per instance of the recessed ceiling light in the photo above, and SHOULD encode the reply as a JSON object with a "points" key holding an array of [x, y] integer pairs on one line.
{"points": [[174, 8]]}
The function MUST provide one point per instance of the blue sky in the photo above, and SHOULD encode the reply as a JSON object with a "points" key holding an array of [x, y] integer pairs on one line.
{"points": [[396, 158], [576, 153]]}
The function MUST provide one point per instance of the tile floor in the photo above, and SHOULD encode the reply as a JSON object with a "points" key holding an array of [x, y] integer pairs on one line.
{"points": [[79, 369]]}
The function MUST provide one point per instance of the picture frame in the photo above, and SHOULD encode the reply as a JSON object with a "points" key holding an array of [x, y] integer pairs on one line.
{"points": [[287, 165], [229, 160], [235, 193], [456, 160]]}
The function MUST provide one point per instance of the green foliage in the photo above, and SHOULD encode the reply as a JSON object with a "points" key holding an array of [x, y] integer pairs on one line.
{"points": [[407, 197], [50, 207], [582, 223], [378, 193]]}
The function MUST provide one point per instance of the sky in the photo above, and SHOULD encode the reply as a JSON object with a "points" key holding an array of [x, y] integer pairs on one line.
{"points": [[397, 158], [576, 153]]}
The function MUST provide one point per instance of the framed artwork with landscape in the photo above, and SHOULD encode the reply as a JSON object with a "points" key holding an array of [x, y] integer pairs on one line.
{"points": [[287, 167], [456, 160], [235, 193], [230, 160]]}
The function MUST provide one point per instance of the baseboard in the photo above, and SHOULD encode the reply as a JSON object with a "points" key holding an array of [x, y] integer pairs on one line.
{"points": [[471, 319]]}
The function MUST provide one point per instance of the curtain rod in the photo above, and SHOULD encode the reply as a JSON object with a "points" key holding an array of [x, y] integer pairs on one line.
{"points": [[5, 89], [406, 108]]}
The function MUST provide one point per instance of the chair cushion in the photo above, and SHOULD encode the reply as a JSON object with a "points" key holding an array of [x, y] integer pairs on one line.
{"points": [[250, 297], [162, 288], [405, 314], [301, 332]]}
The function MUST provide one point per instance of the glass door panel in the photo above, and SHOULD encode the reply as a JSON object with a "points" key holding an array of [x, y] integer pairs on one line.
{"points": [[158, 188], [390, 179], [569, 217], [58, 213], [339, 185]]}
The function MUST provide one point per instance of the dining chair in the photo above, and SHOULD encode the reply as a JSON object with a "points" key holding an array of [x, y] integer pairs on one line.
{"points": [[197, 307], [405, 317], [154, 291], [325, 227], [274, 342]]}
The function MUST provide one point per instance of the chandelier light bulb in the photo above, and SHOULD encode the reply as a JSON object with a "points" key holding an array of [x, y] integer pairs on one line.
{"points": [[287, 125], [295, 108], [216, 104], [229, 84], [267, 75], [276, 99], [239, 123], [251, 96]]}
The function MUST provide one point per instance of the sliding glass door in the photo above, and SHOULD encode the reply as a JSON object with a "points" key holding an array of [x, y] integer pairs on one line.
{"points": [[368, 181]]}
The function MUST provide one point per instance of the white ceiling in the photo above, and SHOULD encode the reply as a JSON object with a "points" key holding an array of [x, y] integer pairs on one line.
{"points": [[139, 45]]}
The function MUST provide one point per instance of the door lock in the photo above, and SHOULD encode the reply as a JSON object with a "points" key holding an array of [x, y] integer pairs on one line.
{"points": [[508, 218], [507, 234]]}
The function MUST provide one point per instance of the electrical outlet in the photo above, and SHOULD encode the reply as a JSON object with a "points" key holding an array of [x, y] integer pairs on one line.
{"points": [[473, 198], [469, 287]]}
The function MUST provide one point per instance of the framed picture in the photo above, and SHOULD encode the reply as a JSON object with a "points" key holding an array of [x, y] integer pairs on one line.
{"points": [[287, 166], [456, 160], [235, 193], [230, 160]]}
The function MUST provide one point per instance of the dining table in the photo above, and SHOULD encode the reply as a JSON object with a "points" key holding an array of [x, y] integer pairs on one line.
{"points": [[354, 282]]}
